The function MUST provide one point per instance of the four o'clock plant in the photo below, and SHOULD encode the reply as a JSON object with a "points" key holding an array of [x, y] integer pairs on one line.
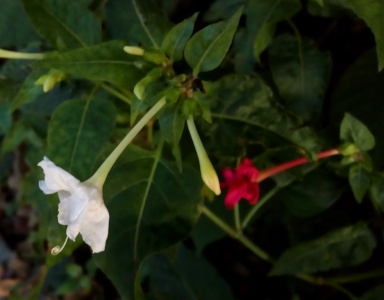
{"points": [[153, 204]]}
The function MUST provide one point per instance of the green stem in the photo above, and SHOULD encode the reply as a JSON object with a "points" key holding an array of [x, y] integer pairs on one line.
{"points": [[341, 289], [20, 55], [236, 212], [256, 207], [236, 235], [101, 174], [116, 93], [358, 277]]}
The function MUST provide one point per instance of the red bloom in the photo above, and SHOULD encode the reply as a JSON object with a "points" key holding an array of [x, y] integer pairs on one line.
{"points": [[241, 183]]}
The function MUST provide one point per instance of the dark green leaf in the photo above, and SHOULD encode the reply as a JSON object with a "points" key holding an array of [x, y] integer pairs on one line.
{"points": [[222, 9], [15, 28], [263, 15], [207, 48], [137, 22], [78, 131], [20, 132], [353, 131], [357, 93], [377, 190], [177, 37], [300, 72], [315, 193], [152, 206], [376, 293], [5, 117], [359, 179], [28, 92], [106, 61], [244, 59], [8, 90], [249, 100], [347, 246], [204, 233], [172, 126], [263, 39], [64, 20], [371, 11], [188, 277]]}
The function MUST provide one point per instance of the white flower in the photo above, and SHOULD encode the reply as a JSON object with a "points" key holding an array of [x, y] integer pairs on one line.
{"points": [[81, 206]]}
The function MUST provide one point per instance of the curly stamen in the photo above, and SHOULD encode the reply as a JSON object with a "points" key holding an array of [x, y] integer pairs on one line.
{"points": [[56, 250]]}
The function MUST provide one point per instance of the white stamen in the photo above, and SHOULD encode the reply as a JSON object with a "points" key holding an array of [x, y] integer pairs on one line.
{"points": [[56, 250]]}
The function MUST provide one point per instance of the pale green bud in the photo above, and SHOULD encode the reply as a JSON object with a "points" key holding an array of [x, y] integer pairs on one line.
{"points": [[133, 50]]}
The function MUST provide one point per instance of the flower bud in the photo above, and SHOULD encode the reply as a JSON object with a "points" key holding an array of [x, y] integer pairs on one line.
{"points": [[133, 50], [208, 173]]}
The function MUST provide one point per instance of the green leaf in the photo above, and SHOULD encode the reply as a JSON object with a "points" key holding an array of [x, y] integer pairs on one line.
{"points": [[106, 61], [300, 72], [353, 131], [262, 17], [312, 195], [15, 28], [188, 277], [8, 90], [138, 22], [244, 59], [77, 132], [249, 100], [377, 190], [371, 11], [63, 20], [177, 37], [377, 293], [320, 2], [359, 179], [28, 92], [263, 39], [5, 117], [346, 246], [152, 206], [208, 47], [172, 126], [222, 9], [204, 233]]}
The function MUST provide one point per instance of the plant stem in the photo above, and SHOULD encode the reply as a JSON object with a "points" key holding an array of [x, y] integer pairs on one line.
{"points": [[256, 207], [277, 169], [101, 174], [116, 93], [358, 277], [236, 212], [20, 55], [236, 235]]}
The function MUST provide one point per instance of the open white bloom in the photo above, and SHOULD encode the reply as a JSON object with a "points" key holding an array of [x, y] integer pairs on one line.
{"points": [[81, 206]]}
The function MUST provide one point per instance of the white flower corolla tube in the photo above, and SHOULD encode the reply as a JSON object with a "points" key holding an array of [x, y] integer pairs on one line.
{"points": [[81, 206]]}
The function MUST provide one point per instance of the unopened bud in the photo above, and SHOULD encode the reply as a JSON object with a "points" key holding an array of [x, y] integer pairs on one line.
{"points": [[208, 173], [133, 50]]}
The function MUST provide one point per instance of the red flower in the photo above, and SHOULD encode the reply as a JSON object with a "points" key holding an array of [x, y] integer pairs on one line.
{"points": [[241, 183]]}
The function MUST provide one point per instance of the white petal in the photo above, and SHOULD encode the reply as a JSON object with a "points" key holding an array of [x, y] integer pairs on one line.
{"points": [[73, 205], [94, 228], [56, 179]]}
